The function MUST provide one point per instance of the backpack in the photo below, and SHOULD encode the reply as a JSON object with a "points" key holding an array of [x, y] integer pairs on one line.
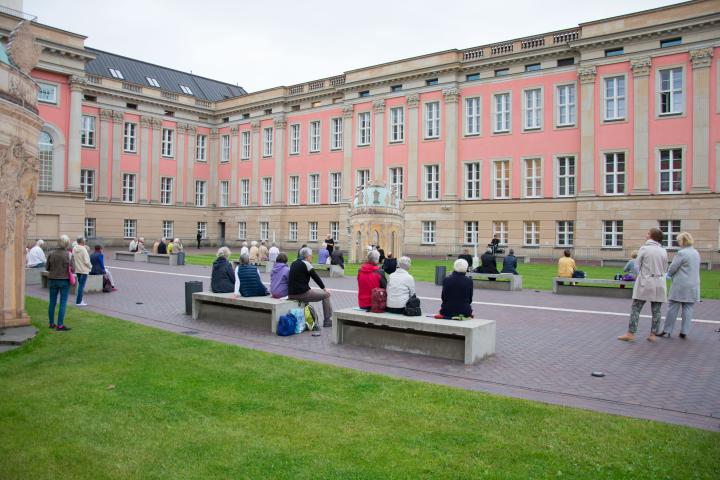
{"points": [[412, 307], [578, 274], [378, 299], [107, 286], [310, 317], [299, 315], [286, 325]]}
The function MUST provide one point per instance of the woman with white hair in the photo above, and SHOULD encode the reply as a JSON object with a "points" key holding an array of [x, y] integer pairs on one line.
{"points": [[685, 289], [58, 268], [36, 256], [244, 250], [254, 252], [222, 279], [400, 287], [369, 276], [457, 293]]}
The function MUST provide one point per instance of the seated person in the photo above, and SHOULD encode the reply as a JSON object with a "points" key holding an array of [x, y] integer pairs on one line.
{"points": [[97, 262], [279, 277], [323, 254], [495, 244], [369, 276], [162, 247], [133, 247], [263, 252], [177, 246], [170, 248], [466, 256], [249, 278], [510, 263], [400, 286], [566, 265], [36, 256], [336, 258], [273, 253], [223, 276], [488, 263], [457, 293], [631, 267], [254, 252], [301, 271], [390, 264]]}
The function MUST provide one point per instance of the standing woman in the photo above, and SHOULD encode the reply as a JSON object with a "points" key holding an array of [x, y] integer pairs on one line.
{"points": [[58, 267], [82, 267], [650, 284], [685, 288]]}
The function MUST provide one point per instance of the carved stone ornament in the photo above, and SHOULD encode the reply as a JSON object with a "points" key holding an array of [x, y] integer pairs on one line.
{"points": [[255, 126], [413, 100], [451, 95], [587, 74], [146, 122], [77, 83], [23, 49], [192, 129], [18, 187], [280, 121], [379, 106], [701, 57], [640, 66], [347, 111], [214, 133], [105, 115], [234, 130], [181, 128], [156, 123], [117, 117]]}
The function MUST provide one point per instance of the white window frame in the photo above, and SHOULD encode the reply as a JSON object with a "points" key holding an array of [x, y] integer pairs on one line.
{"points": [[472, 229], [335, 187], [245, 145], [267, 190], [615, 173], [396, 129], [168, 142], [565, 105], [670, 233], [50, 99], [500, 228], [87, 183], [89, 227], [431, 125], [335, 230], [564, 233], [362, 177], [166, 190], [671, 170], [396, 179], [336, 133], [473, 116], [129, 186], [431, 182], [130, 137], [201, 148], [314, 136], [152, 82], [115, 73], [472, 180], [224, 193], [502, 112], [202, 230], [294, 139], [264, 231], [200, 193], [504, 181], [313, 189], [533, 179], [533, 109], [129, 228], [615, 233], [294, 190], [531, 233], [244, 192], [672, 92], [242, 230], [293, 231], [87, 131], [168, 229], [428, 232], [364, 129], [224, 148], [267, 142], [312, 231], [186, 90], [611, 114], [564, 179]]}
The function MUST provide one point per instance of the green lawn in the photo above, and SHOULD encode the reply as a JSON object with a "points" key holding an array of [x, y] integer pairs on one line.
{"points": [[536, 276], [111, 399]]}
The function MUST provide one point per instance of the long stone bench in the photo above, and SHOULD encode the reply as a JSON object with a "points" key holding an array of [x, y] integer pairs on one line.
{"points": [[131, 256], [261, 312], [620, 262], [33, 276], [503, 281], [93, 284], [468, 341], [322, 269], [593, 287], [162, 258]]}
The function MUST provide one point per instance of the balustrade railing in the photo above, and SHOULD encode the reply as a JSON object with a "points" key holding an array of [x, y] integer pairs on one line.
{"points": [[132, 87], [169, 95]]}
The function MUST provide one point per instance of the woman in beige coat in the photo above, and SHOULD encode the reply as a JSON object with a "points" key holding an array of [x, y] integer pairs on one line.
{"points": [[650, 285], [82, 267]]}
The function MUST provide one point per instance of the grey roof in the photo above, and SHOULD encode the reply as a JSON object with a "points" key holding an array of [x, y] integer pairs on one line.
{"points": [[135, 71]]}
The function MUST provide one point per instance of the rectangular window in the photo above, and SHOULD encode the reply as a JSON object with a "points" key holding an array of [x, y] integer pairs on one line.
{"points": [[614, 52], [397, 124], [472, 116], [364, 136], [294, 190], [129, 228], [295, 139], [431, 81], [336, 133], [87, 183], [87, 133], [471, 233], [564, 233], [225, 148], [292, 231], [224, 193], [500, 228], [671, 91], [614, 173], [314, 136], [115, 73], [267, 191], [564, 62], [472, 77], [244, 192], [428, 232], [502, 113], [242, 230], [335, 187], [566, 176], [186, 90], [313, 231], [335, 230], [432, 182], [501, 180], [128, 188], [168, 229], [533, 67], [396, 181], [130, 137], [152, 81], [472, 181], [566, 105], [362, 177], [533, 177], [314, 186], [200, 197], [670, 230], [364, 93], [531, 233], [612, 233], [267, 142], [670, 42], [501, 72], [615, 98], [244, 145], [533, 109], [395, 88], [264, 230], [167, 142], [202, 230], [166, 190], [47, 93], [432, 120], [200, 145], [671, 171], [89, 231]]}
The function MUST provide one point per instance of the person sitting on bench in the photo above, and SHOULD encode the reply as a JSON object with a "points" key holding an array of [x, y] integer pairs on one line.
{"points": [[510, 263], [466, 256], [495, 245], [488, 264], [249, 278], [457, 293], [222, 279]]}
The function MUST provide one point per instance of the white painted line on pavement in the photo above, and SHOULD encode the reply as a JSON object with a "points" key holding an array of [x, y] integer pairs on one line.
{"points": [[491, 304]]}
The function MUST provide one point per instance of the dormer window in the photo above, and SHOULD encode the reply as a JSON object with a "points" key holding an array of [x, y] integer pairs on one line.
{"points": [[153, 82], [116, 73], [186, 90]]}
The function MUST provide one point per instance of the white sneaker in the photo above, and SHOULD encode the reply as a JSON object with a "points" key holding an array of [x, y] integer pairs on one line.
{"points": [[81, 304]]}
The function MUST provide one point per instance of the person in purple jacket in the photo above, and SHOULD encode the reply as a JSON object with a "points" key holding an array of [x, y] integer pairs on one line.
{"points": [[279, 277]]}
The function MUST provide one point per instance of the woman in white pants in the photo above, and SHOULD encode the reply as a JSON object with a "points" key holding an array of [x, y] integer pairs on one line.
{"points": [[685, 289]]}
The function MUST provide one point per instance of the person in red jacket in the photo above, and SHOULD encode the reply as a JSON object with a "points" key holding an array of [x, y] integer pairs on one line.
{"points": [[369, 276]]}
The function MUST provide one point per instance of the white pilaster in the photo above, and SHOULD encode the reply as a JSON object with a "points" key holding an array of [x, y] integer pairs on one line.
{"points": [[255, 156], [155, 160], [641, 72], [451, 134], [74, 149], [181, 128], [701, 59], [587, 130], [190, 165], [145, 126], [348, 190], [379, 115], [233, 166], [214, 161], [279, 180], [413, 101], [103, 141], [117, 146]]}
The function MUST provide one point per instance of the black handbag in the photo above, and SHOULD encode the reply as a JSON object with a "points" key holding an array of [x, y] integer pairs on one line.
{"points": [[412, 307]]}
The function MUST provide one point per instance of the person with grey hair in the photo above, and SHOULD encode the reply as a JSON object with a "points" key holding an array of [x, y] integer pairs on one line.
{"points": [[222, 279], [369, 276], [400, 287], [263, 252], [301, 271], [457, 293], [685, 289], [273, 252], [488, 263], [248, 278], [36, 256], [254, 252], [58, 268], [510, 263], [82, 267], [244, 249]]}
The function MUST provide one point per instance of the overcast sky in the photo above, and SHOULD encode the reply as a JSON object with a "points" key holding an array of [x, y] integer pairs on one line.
{"points": [[263, 44]]}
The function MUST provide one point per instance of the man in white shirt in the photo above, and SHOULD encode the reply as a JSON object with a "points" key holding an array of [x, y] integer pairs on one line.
{"points": [[273, 253], [36, 256], [244, 250], [400, 287]]}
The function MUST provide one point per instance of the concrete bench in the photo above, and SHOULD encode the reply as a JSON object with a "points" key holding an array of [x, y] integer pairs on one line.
{"points": [[336, 271], [503, 281], [131, 256], [322, 269], [93, 284], [593, 287], [620, 262], [261, 312], [162, 258], [33, 276], [468, 341]]}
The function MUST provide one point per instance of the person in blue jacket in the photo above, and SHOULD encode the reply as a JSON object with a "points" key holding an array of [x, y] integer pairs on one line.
{"points": [[249, 278], [222, 279]]}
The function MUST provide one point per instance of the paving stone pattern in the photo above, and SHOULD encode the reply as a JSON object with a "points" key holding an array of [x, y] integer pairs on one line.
{"points": [[542, 353]]}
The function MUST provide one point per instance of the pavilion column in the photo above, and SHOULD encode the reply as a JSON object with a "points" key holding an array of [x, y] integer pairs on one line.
{"points": [[701, 59], [348, 190], [451, 134], [214, 161], [145, 126], [117, 148], [641, 73], [181, 129], [233, 166], [413, 101], [379, 114], [587, 130], [255, 156], [279, 181], [155, 160], [190, 165], [103, 140], [74, 149]]}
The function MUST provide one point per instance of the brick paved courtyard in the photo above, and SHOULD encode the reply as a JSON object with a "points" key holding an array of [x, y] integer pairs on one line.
{"points": [[547, 345]]}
